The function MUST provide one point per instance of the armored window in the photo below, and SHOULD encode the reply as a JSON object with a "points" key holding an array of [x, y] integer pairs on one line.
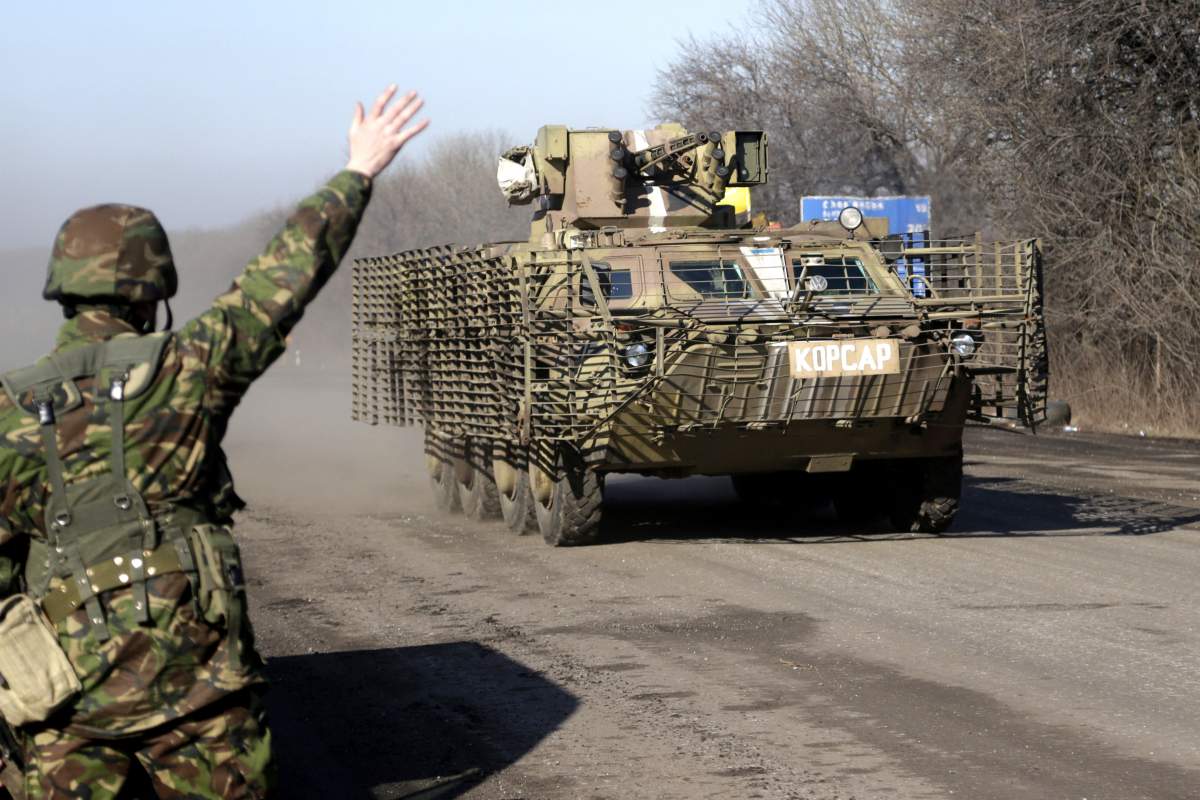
{"points": [[620, 285], [845, 275], [722, 279], [615, 284]]}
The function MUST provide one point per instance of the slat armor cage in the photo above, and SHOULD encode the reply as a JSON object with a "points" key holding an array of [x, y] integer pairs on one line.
{"points": [[436, 340], [504, 344]]}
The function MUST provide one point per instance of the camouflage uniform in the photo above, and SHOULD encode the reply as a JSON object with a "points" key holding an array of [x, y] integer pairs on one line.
{"points": [[169, 674]]}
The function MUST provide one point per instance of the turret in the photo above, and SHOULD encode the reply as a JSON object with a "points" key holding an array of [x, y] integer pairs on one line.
{"points": [[659, 178]]}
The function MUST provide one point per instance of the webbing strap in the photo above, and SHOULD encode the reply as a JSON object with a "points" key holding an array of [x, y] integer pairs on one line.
{"points": [[87, 596], [184, 551], [115, 407], [116, 420], [59, 510], [137, 577]]}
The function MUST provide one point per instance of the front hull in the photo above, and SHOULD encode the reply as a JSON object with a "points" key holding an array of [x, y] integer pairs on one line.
{"points": [[803, 445]]}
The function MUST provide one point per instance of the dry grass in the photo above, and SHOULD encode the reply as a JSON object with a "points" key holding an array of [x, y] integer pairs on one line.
{"points": [[1121, 398]]}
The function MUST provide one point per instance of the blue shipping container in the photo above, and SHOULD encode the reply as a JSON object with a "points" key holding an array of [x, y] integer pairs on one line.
{"points": [[904, 214]]}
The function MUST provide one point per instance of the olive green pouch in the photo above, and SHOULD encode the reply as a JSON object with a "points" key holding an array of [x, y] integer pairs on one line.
{"points": [[221, 587], [219, 573], [36, 677]]}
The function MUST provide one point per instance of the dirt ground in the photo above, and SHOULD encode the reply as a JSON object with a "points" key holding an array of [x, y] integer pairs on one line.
{"points": [[1047, 648]]}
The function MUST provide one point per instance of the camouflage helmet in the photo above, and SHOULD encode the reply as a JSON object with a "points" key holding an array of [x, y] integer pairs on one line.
{"points": [[111, 253]]}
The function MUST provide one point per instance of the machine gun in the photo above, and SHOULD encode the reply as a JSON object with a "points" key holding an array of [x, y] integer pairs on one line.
{"points": [[656, 178], [671, 163]]}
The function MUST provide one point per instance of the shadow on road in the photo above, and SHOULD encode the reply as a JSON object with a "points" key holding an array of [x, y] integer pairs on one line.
{"points": [[1006, 507], [411, 723], [638, 509]]}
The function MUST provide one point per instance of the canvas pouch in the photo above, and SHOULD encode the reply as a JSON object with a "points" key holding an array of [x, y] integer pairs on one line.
{"points": [[222, 588], [36, 678], [219, 568]]}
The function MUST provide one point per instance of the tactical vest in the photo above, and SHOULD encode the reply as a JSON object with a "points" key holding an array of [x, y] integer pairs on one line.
{"points": [[100, 535]]}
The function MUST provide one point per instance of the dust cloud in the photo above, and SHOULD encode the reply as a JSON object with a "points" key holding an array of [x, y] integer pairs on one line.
{"points": [[292, 445]]}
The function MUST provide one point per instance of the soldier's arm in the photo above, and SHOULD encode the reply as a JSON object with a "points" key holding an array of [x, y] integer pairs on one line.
{"points": [[245, 329]]}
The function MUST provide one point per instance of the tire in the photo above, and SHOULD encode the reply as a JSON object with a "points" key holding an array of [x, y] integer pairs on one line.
{"points": [[569, 515], [511, 473], [439, 460], [926, 494], [476, 486], [1058, 412]]}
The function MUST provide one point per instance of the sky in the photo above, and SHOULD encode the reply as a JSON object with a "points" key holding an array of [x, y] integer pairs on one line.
{"points": [[208, 112]]}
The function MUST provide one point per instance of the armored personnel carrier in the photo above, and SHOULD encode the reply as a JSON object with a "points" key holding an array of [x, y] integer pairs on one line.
{"points": [[647, 325]]}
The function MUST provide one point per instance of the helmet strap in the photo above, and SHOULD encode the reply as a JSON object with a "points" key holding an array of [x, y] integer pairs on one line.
{"points": [[170, 321]]}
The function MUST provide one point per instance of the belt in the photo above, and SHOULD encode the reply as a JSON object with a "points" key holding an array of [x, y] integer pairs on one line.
{"points": [[63, 598]]}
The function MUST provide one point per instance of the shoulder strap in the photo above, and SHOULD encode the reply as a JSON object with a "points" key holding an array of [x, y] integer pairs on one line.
{"points": [[118, 368], [122, 367], [136, 358], [30, 387]]}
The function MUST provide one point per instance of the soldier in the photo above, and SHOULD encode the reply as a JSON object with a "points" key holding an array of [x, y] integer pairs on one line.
{"points": [[123, 627]]}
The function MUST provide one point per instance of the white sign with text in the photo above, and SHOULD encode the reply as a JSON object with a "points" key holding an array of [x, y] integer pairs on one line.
{"points": [[831, 358]]}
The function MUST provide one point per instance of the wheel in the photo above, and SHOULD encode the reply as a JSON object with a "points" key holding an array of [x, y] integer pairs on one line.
{"points": [[1058, 412], [473, 478], [439, 460], [512, 489], [566, 500], [925, 494]]}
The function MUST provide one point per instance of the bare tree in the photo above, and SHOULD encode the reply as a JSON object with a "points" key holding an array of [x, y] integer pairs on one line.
{"points": [[1074, 120], [1089, 112], [840, 86]]}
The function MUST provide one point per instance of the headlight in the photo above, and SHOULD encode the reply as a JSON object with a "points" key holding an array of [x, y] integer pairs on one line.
{"points": [[963, 345], [637, 355], [850, 218]]}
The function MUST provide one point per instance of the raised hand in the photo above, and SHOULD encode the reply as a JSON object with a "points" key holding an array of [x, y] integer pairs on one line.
{"points": [[377, 136]]}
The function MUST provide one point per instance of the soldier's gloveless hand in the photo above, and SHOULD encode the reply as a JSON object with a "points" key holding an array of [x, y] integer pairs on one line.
{"points": [[378, 135]]}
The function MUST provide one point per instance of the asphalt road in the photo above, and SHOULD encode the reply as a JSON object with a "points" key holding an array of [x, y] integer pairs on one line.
{"points": [[1047, 648]]}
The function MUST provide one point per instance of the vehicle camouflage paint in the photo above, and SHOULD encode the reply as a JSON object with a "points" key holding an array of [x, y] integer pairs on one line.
{"points": [[648, 326]]}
